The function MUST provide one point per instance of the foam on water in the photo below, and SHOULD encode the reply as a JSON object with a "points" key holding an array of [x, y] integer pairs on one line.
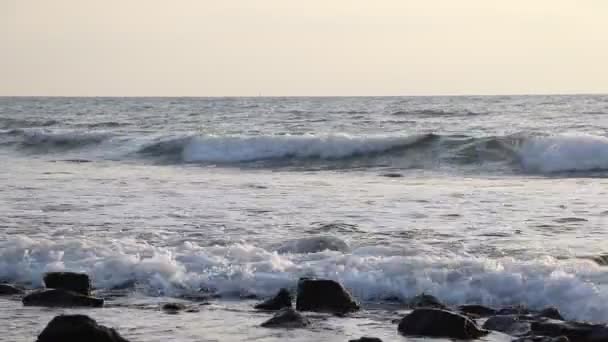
{"points": [[370, 273]]}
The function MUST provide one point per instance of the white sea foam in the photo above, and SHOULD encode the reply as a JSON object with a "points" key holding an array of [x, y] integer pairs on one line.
{"points": [[571, 285], [566, 152]]}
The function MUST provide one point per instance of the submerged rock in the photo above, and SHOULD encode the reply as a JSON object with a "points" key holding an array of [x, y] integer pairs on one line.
{"points": [[77, 328], [314, 245], [541, 339], [60, 298], [324, 295], [69, 281], [476, 310], [574, 331], [281, 300], [432, 322], [426, 301], [173, 308], [508, 324], [366, 339], [287, 318], [7, 290]]}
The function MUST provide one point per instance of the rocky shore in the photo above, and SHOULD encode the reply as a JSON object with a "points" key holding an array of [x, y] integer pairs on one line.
{"points": [[424, 316]]}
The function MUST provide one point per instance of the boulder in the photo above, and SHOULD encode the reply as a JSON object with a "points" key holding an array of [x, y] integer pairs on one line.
{"points": [[551, 312], [77, 328], [69, 281], [287, 318], [323, 295], [60, 298], [281, 300], [430, 322], [476, 310], [366, 339], [8, 290], [173, 308], [508, 324], [574, 331], [426, 301]]}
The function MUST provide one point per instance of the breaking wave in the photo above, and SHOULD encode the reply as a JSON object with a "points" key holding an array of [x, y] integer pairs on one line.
{"points": [[242, 269], [527, 153]]}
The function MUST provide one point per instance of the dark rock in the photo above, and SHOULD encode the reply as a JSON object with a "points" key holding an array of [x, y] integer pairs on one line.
{"points": [[69, 281], [513, 310], [432, 322], [281, 300], [7, 290], [323, 295], [287, 318], [574, 331], [552, 313], [426, 301], [392, 175], [508, 324], [541, 339], [477, 310], [77, 328], [60, 298], [366, 339], [173, 308]]}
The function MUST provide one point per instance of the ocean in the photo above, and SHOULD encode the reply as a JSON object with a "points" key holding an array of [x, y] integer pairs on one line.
{"points": [[495, 200]]}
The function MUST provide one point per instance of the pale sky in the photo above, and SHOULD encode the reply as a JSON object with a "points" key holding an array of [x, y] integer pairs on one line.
{"points": [[305, 48]]}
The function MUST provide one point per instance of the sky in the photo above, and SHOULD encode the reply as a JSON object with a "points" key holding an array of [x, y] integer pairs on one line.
{"points": [[302, 48]]}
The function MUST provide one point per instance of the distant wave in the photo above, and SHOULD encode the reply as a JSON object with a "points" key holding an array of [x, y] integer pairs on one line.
{"points": [[527, 153], [45, 140], [434, 112], [8, 123]]}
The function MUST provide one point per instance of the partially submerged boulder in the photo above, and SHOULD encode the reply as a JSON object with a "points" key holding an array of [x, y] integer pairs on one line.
{"points": [[426, 301], [60, 298], [9, 290], [476, 310], [287, 318], [281, 300], [77, 328], [430, 322], [322, 295], [69, 281], [366, 339], [508, 324], [574, 331]]}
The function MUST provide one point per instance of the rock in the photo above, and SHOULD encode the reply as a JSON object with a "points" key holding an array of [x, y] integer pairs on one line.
{"points": [[574, 331], [7, 290], [173, 308], [69, 281], [287, 318], [430, 322], [392, 175], [366, 339], [552, 313], [60, 298], [513, 310], [323, 295], [508, 324], [281, 300], [476, 310], [77, 328], [426, 301], [541, 339]]}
